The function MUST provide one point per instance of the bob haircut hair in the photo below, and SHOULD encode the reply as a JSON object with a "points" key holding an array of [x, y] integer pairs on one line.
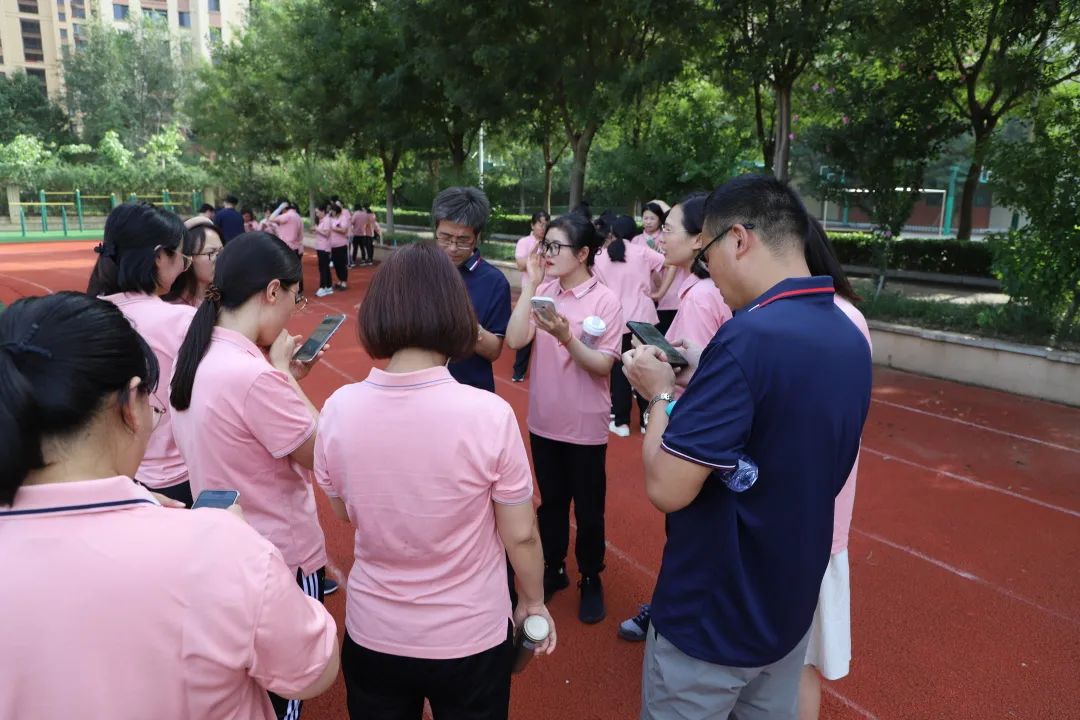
{"points": [[417, 299]]}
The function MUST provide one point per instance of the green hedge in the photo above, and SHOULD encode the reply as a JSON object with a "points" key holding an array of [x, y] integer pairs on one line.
{"points": [[500, 222], [947, 255]]}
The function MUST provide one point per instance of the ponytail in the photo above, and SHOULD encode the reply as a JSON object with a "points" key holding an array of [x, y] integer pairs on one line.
{"points": [[581, 233], [60, 356], [624, 228], [127, 256], [821, 260], [247, 264]]}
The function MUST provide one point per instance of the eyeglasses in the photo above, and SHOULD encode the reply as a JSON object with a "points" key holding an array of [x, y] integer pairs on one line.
{"points": [[159, 413], [211, 255], [551, 249], [458, 242], [299, 301], [701, 259], [173, 251]]}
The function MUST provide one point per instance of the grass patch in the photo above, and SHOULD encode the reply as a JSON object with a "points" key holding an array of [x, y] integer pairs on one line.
{"points": [[1011, 321], [16, 236]]}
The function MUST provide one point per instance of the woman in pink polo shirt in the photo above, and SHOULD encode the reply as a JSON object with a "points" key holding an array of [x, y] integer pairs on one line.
{"points": [[358, 226], [702, 311], [828, 654], [289, 226], [630, 271], [652, 220], [139, 260], [241, 421], [175, 614], [525, 247], [322, 250], [569, 399], [438, 487], [202, 245], [340, 224]]}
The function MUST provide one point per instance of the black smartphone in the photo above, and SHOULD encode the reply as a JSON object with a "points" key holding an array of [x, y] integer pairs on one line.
{"points": [[649, 335], [318, 339], [216, 499]]}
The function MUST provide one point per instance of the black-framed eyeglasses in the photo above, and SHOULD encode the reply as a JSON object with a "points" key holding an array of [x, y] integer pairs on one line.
{"points": [[551, 249], [458, 242], [701, 260], [300, 301], [211, 255]]}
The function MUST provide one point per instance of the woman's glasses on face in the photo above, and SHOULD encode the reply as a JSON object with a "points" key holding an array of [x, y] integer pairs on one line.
{"points": [[299, 301], [211, 255], [158, 413], [551, 249]]}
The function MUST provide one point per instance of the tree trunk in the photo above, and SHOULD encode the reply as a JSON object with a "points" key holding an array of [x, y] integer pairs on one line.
{"points": [[458, 154], [549, 169], [765, 139], [521, 195], [782, 146], [311, 206], [580, 147], [971, 185], [389, 163]]}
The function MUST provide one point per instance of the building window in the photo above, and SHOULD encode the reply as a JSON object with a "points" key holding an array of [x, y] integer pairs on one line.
{"points": [[31, 39], [215, 35], [28, 6], [63, 34], [184, 18], [213, 5], [119, 12], [63, 16], [78, 10], [157, 14], [38, 75]]}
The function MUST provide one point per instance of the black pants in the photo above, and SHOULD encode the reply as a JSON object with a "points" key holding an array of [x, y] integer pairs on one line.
{"points": [[621, 392], [666, 318], [355, 245], [312, 585], [393, 687], [181, 492], [300, 256], [340, 256], [567, 472], [324, 269], [521, 361], [368, 248]]}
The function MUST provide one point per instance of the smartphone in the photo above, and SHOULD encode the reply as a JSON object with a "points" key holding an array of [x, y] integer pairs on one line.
{"points": [[540, 302], [649, 335], [216, 499], [318, 339]]}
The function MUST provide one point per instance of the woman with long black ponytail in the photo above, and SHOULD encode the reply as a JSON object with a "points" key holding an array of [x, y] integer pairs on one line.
{"points": [[139, 261], [117, 607], [242, 421]]}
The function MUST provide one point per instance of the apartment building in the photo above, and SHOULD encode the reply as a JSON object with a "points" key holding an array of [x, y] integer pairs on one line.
{"points": [[34, 34]]}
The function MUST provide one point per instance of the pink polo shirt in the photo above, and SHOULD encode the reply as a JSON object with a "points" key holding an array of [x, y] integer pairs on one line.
{"points": [[429, 579], [845, 500], [163, 326], [322, 234], [290, 228], [702, 311], [244, 421], [567, 402], [646, 240], [139, 611], [525, 247], [632, 281], [670, 300], [358, 223], [339, 229]]}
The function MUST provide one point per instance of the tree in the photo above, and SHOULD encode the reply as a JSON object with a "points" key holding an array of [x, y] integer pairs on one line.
{"points": [[129, 80], [25, 109], [997, 55], [887, 121], [769, 44], [1039, 264]]}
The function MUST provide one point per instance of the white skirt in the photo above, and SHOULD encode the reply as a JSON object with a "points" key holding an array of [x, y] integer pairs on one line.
{"points": [[830, 633]]}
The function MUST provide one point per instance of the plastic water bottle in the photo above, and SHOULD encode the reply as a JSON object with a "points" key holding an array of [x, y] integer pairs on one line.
{"points": [[742, 477], [533, 632]]}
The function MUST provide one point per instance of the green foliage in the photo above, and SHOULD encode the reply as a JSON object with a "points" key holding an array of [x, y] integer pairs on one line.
{"points": [[20, 159], [126, 80], [948, 256], [26, 110]]}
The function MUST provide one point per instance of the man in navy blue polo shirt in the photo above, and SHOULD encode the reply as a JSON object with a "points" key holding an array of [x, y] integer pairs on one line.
{"points": [[460, 214], [748, 465]]}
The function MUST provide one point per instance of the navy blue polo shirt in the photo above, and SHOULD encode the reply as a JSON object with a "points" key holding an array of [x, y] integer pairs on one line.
{"points": [[786, 383], [231, 223], [490, 293]]}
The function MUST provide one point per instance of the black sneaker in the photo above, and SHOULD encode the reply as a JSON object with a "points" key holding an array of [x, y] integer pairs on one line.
{"points": [[555, 579], [592, 600], [329, 586], [518, 378], [636, 628]]}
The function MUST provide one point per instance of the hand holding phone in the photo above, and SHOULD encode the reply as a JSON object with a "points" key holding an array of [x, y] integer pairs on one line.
{"points": [[540, 304], [649, 335], [221, 499], [318, 339]]}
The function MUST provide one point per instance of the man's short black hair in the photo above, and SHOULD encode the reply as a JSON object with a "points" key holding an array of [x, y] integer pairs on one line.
{"points": [[775, 209], [232, 200]]}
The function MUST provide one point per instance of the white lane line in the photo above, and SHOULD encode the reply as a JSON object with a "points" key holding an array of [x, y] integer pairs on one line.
{"points": [[973, 481], [28, 282], [979, 426], [959, 572], [851, 704]]}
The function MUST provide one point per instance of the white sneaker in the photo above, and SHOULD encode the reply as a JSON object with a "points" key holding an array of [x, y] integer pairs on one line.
{"points": [[620, 430], [323, 292]]}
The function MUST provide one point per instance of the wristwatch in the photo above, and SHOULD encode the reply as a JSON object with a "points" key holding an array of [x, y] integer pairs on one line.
{"points": [[662, 397]]}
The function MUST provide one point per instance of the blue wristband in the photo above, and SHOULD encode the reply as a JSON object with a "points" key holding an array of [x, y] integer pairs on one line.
{"points": [[670, 407]]}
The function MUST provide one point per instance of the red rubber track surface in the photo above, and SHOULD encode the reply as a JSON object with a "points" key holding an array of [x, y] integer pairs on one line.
{"points": [[965, 544]]}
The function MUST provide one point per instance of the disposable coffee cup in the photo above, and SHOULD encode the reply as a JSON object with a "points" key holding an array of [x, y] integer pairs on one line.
{"points": [[592, 329]]}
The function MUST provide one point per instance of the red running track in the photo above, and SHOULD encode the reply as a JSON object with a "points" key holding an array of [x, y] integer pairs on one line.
{"points": [[965, 545]]}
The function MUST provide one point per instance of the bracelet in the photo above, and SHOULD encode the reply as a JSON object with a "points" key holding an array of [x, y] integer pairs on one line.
{"points": [[568, 340]]}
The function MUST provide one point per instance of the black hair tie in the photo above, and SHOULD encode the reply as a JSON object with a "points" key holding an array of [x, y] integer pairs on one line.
{"points": [[23, 346], [105, 250]]}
